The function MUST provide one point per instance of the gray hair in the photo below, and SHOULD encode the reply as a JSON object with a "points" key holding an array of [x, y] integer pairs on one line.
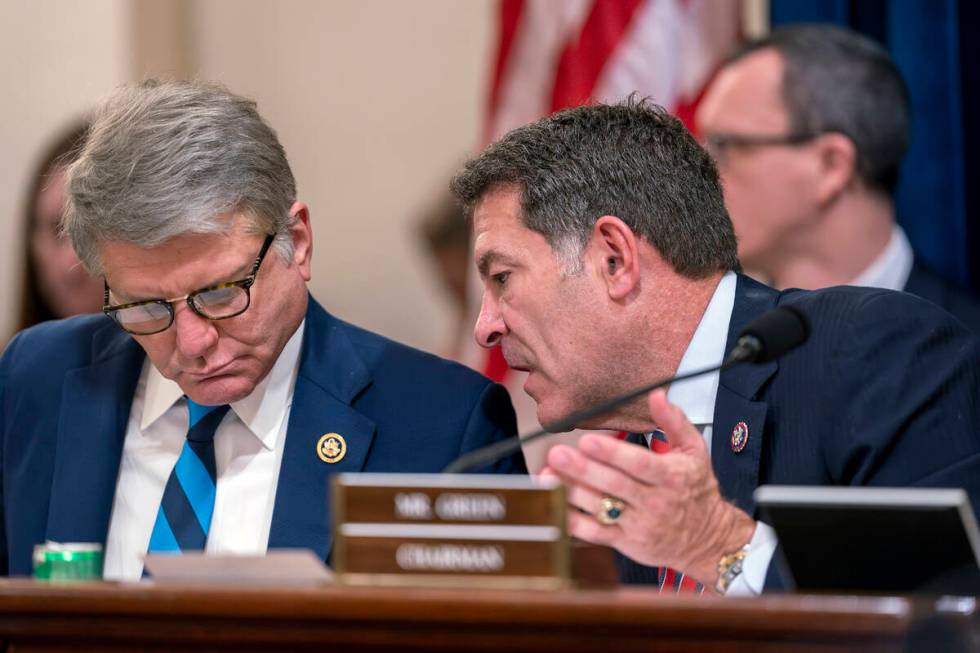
{"points": [[836, 80], [631, 160], [168, 158]]}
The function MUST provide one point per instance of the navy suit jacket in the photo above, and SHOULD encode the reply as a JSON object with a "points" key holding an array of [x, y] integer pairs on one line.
{"points": [[886, 392], [927, 284], [65, 394]]}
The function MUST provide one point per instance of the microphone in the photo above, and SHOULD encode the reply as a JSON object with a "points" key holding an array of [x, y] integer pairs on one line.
{"points": [[766, 338], [771, 335]]}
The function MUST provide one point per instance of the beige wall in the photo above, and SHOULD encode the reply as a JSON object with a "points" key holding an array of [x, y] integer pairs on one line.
{"points": [[375, 101], [56, 58]]}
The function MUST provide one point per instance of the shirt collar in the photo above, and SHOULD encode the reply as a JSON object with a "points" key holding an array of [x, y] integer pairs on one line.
{"points": [[261, 411], [696, 397], [891, 269]]}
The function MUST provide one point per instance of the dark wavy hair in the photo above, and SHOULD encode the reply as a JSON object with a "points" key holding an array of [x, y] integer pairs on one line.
{"points": [[60, 153], [632, 160]]}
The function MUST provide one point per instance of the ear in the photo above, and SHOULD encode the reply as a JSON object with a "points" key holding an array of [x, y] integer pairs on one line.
{"points": [[836, 165], [613, 254], [302, 235]]}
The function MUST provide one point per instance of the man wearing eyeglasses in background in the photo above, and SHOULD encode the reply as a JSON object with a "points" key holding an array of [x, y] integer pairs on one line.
{"points": [[212, 419], [808, 127]]}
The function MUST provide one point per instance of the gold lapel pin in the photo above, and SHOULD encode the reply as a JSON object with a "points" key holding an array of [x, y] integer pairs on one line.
{"points": [[331, 448], [740, 437]]}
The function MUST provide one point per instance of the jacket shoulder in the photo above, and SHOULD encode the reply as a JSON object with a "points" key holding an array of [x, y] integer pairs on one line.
{"points": [[927, 284], [856, 305], [58, 344]]}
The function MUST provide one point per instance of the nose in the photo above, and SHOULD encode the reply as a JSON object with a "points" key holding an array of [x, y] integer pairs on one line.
{"points": [[490, 326], [196, 335]]}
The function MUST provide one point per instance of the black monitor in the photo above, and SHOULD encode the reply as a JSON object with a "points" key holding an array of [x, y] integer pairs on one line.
{"points": [[862, 539]]}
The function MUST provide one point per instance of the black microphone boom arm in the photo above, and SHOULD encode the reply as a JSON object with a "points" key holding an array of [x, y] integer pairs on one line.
{"points": [[767, 337]]}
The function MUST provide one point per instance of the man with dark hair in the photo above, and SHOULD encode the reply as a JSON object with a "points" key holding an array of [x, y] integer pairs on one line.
{"points": [[609, 261], [808, 127], [210, 405]]}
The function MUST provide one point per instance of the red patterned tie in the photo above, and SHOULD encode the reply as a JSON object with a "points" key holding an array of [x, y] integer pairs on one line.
{"points": [[672, 580]]}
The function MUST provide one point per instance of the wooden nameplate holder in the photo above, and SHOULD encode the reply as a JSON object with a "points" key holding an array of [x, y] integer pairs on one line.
{"points": [[451, 530]]}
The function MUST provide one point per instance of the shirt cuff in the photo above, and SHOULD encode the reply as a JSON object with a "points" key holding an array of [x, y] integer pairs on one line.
{"points": [[756, 563]]}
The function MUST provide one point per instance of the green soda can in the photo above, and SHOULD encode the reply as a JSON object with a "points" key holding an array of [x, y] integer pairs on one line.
{"points": [[68, 561]]}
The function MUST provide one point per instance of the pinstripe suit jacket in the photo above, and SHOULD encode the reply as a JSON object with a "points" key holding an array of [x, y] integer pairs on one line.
{"points": [[885, 392]]}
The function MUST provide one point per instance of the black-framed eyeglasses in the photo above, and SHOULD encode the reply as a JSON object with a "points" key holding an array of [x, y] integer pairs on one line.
{"points": [[718, 144], [218, 302]]}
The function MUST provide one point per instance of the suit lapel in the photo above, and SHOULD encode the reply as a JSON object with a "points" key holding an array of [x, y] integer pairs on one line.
{"points": [[95, 408], [737, 407], [330, 377]]}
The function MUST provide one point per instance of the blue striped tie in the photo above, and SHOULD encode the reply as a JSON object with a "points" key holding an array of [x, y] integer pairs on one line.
{"points": [[185, 511]]}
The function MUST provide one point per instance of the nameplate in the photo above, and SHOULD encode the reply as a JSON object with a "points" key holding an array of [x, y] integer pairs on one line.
{"points": [[439, 529]]}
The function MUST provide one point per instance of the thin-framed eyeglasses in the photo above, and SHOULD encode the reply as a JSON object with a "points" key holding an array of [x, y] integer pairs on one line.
{"points": [[218, 302], [718, 144]]}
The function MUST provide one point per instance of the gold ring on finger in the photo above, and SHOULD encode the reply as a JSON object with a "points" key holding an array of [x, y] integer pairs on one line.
{"points": [[610, 510]]}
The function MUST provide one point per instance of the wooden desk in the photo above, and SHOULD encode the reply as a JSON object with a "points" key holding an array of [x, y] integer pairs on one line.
{"points": [[38, 617]]}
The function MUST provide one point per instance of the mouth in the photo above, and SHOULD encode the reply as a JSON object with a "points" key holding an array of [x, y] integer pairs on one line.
{"points": [[528, 380], [514, 360], [211, 372]]}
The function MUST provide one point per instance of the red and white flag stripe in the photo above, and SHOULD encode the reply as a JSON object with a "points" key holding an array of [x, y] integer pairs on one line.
{"points": [[554, 54]]}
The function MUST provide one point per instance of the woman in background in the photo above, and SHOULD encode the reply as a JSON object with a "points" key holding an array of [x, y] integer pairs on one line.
{"points": [[54, 283]]}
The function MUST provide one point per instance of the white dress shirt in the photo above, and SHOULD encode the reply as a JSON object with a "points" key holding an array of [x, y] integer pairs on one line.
{"points": [[248, 448], [891, 269], [696, 397]]}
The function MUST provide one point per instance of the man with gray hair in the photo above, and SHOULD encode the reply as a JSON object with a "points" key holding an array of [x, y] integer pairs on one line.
{"points": [[210, 411], [808, 127], [608, 262]]}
